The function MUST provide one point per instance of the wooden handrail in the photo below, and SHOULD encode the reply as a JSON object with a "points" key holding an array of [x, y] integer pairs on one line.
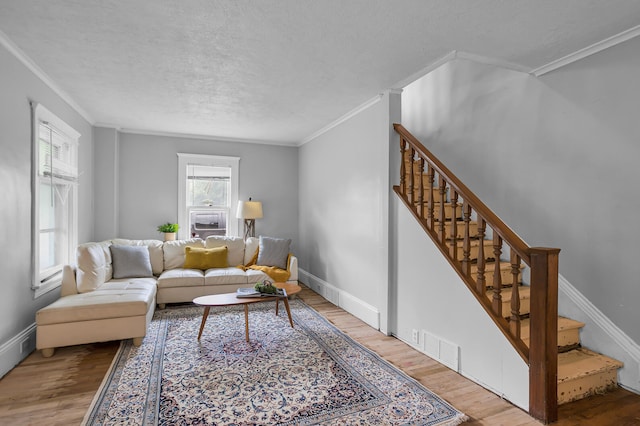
{"points": [[500, 227], [541, 354]]}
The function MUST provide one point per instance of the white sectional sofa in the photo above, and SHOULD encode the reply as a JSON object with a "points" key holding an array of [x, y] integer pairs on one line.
{"points": [[112, 290]]}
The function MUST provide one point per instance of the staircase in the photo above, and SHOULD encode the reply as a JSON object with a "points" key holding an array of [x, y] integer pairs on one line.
{"points": [[492, 260]]}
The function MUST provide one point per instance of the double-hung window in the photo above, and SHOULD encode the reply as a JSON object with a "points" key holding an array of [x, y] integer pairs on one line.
{"points": [[54, 197], [207, 190]]}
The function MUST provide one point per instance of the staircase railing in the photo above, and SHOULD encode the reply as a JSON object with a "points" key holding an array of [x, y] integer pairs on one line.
{"points": [[473, 239]]}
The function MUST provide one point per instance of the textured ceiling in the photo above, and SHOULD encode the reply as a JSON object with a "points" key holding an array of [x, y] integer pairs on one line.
{"points": [[279, 70]]}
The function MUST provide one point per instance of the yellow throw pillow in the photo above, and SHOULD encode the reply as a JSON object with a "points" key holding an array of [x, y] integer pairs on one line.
{"points": [[203, 258]]}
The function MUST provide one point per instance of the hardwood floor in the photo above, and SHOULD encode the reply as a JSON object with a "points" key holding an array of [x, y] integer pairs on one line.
{"points": [[58, 390]]}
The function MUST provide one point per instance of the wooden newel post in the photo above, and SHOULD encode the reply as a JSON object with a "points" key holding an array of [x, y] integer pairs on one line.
{"points": [[543, 351]]}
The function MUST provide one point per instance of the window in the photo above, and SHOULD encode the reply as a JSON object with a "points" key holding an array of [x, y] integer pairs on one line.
{"points": [[207, 190], [54, 197]]}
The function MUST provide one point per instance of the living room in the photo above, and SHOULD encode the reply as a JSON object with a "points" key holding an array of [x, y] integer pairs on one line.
{"points": [[330, 192]]}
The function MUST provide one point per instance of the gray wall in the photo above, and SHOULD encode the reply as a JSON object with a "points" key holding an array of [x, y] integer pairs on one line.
{"points": [[18, 85], [344, 191], [147, 182], [555, 157], [106, 182]]}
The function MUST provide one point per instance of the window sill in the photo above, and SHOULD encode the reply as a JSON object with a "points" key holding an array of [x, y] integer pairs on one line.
{"points": [[46, 288]]}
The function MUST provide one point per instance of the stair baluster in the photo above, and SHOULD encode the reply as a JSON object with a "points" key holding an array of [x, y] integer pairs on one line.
{"points": [[454, 225], [421, 186], [514, 321], [403, 167], [430, 180], [466, 247], [481, 284], [497, 277], [441, 218], [411, 176]]}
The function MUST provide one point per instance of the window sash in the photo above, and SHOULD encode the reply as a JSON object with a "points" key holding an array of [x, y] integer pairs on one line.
{"points": [[54, 198], [203, 168]]}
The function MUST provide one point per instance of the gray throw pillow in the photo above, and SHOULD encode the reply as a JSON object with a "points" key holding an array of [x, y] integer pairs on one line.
{"points": [[130, 262], [273, 252]]}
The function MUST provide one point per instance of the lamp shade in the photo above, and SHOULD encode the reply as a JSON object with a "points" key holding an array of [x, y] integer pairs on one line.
{"points": [[249, 210]]}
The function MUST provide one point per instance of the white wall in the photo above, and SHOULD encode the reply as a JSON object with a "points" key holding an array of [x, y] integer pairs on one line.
{"points": [[147, 182], [555, 158], [344, 192], [18, 85], [431, 297]]}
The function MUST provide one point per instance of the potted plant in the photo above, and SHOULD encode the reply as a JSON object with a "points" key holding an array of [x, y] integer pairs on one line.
{"points": [[169, 230]]}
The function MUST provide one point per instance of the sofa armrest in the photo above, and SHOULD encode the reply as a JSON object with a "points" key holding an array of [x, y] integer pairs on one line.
{"points": [[292, 267], [69, 285]]}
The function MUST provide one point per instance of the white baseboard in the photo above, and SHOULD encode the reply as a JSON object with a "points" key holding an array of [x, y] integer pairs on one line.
{"points": [[17, 348], [348, 302], [601, 334]]}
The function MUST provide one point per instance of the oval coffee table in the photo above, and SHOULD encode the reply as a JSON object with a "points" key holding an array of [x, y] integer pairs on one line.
{"points": [[228, 299]]}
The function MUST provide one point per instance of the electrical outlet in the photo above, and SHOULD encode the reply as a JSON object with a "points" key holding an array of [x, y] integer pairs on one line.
{"points": [[415, 336]]}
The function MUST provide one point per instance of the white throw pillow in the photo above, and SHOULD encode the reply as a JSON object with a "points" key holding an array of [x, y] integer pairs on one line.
{"points": [[235, 247], [174, 251], [93, 262], [250, 249]]}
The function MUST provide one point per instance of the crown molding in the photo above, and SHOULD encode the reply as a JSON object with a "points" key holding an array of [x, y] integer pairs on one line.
{"points": [[587, 51], [342, 119], [426, 70], [34, 68], [107, 126], [195, 136], [492, 61], [456, 54]]}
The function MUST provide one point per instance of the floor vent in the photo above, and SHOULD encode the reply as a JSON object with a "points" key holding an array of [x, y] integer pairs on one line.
{"points": [[444, 352]]}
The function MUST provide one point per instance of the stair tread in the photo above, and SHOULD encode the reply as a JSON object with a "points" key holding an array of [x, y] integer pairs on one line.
{"points": [[582, 362], [491, 266], [475, 243], [568, 332], [563, 324], [524, 291]]}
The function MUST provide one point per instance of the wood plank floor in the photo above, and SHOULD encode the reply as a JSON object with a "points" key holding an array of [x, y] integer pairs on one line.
{"points": [[58, 390]]}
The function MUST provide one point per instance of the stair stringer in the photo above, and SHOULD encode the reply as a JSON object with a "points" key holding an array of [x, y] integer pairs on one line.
{"points": [[600, 334], [429, 296]]}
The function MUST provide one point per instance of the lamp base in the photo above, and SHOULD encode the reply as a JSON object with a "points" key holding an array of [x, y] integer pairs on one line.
{"points": [[249, 228]]}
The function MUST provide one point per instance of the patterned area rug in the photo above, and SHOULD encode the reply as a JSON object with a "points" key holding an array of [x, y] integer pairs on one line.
{"points": [[310, 374]]}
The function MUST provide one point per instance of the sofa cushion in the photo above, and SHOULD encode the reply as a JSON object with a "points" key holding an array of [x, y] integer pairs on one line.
{"points": [[251, 250], [181, 278], [219, 276], [156, 255], [273, 252], [174, 251], [255, 276], [205, 258], [94, 265], [235, 246], [130, 261], [113, 300]]}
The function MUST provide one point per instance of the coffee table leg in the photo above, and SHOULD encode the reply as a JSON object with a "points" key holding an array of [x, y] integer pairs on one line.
{"points": [[286, 305], [277, 305], [246, 321], [204, 320]]}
